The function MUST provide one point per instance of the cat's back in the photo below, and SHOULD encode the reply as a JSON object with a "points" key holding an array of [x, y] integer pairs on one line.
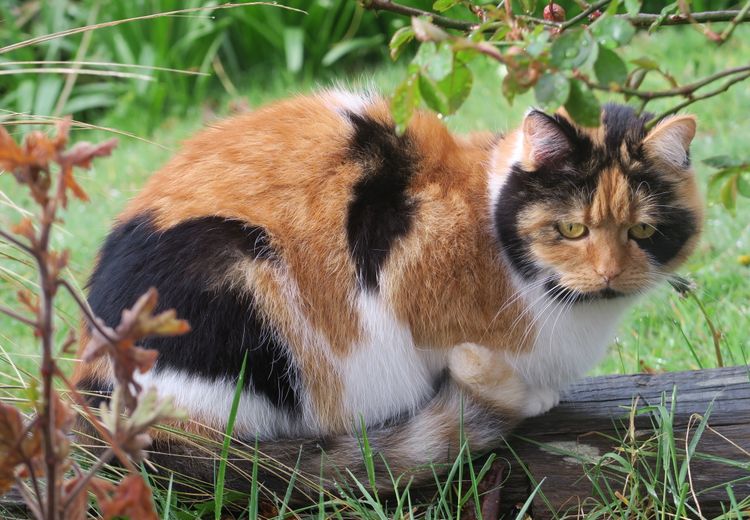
{"points": [[291, 157]]}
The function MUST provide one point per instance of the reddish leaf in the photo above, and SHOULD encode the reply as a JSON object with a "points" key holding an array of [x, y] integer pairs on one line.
{"points": [[79, 504], [83, 153], [130, 498]]}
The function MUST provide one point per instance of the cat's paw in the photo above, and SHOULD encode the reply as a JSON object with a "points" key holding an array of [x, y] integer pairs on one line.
{"points": [[486, 375], [468, 363], [540, 400]]}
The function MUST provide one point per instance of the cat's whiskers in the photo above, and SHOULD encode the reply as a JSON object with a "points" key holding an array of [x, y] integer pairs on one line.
{"points": [[564, 308], [514, 297]]}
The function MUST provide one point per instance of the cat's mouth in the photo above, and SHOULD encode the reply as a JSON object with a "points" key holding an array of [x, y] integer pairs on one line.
{"points": [[563, 294]]}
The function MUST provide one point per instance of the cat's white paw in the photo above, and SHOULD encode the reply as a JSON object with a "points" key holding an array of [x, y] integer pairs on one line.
{"points": [[540, 400]]}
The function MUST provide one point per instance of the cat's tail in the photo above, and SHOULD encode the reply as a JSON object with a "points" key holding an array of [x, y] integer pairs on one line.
{"points": [[415, 446]]}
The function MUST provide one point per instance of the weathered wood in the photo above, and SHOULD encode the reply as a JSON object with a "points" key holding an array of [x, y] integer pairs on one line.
{"points": [[595, 415]]}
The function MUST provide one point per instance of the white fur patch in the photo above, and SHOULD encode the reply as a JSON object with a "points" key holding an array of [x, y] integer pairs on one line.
{"points": [[343, 101], [210, 402], [569, 340], [386, 374]]}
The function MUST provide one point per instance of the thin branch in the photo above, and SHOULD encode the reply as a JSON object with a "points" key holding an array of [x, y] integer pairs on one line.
{"points": [[684, 90], [735, 22], [20, 245], [641, 20], [84, 306], [646, 19], [13, 314], [584, 14], [442, 21], [80, 486], [692, 100]]}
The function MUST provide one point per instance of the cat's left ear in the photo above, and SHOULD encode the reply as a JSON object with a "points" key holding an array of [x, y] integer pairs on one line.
{"points": [[669, 141]]}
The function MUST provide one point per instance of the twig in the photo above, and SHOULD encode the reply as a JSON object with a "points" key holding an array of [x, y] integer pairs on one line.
{"points": [[735, 21], [646, 19], [13, 314], [692, 100], [20, 245], [584, 14], [84, 306], [442, 21], [80, 486], [684, 90], [641, 20]]}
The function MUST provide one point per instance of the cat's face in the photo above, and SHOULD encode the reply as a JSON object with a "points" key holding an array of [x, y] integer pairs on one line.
{"points": [[599, 213]]}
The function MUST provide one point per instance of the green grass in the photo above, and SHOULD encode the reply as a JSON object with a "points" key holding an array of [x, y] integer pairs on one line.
{"points": [[664, 332]]}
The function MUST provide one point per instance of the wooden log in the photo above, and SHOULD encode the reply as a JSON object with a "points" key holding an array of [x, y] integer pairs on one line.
{"points": [[561, 449]]}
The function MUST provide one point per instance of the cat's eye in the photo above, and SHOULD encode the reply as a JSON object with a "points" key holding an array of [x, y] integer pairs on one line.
{"points": [[642, 231], [572, 229]]}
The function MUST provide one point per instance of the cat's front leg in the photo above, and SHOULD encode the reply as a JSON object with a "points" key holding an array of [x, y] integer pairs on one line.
{"points": [[488, 376]]}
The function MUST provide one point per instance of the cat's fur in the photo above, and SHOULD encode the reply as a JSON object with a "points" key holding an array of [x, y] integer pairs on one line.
{"points": [[398, 280]]}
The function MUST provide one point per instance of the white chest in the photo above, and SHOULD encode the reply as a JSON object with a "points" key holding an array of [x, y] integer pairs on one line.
{"points": [[570, 339]]}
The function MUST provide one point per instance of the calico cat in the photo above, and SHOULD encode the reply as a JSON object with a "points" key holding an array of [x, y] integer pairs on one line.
{"points": [[395, 281]]}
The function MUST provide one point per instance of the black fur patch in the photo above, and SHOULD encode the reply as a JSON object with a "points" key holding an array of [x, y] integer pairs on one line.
{"points": [[182, 262], [380, 210]]}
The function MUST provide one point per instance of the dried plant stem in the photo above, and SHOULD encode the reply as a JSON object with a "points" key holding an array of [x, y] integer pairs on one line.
{"points": [[80, 486], [18, 317], [715, 333], [442, 21], [84, 306]]}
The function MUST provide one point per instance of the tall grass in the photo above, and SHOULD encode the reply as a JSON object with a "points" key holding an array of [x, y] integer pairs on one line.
{"points": [[116, 71]]}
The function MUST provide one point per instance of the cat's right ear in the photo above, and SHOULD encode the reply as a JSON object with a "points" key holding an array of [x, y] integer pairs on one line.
{"points": [[544, 141]]}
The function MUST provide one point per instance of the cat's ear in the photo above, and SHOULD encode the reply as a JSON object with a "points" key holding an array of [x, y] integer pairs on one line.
{"points": [[544, 140], [669, 141]]}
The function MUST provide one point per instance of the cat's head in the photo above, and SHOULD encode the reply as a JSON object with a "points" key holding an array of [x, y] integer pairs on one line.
{"points": [[591, 213]]}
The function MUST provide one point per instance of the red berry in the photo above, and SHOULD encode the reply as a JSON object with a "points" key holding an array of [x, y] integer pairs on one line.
{"points": [[554, 13], [596, 14]]}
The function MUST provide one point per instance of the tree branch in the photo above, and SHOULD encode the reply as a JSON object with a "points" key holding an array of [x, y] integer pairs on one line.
{"points": [[684, 90], [707, 95], [641, 20], [442, 21]]}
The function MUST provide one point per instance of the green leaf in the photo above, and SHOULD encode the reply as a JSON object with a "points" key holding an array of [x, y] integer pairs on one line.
{"points": [[341, 49], [444, 5], [722, 161], [743, 185], [399, 41], [537, 42], [432, 95], [728, 194], [552, 90], [457, 85], [611, 31], [582, 105], [633, 7], [572, 49], [405, 100], [610, 68], [441, 63]]}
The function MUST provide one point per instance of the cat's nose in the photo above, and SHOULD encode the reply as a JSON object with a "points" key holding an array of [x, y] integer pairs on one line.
{"points": [[608, 274]]}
